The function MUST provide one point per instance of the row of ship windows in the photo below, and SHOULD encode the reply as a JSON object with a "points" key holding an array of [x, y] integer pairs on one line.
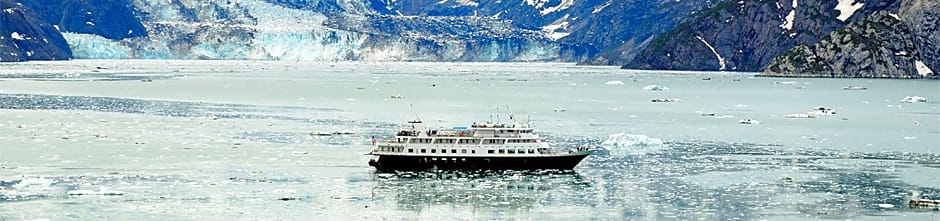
{"points": [[462, 151], [469, 141]]}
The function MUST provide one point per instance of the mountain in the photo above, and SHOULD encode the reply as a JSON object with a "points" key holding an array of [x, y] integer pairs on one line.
{"points": [[884, 44], [746, 35], [608, 32], [879, 46], [24, 36], [808, 38], [590, 31]]}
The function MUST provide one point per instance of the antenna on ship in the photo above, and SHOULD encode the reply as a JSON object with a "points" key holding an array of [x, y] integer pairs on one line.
{"points": [[511, 119], [417, 119], [497, 115]]}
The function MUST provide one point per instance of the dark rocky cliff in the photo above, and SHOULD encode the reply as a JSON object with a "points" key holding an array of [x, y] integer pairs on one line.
{"points": [[923, 18], [112, 19], [883, 45], [747, 35], [25, 36]]}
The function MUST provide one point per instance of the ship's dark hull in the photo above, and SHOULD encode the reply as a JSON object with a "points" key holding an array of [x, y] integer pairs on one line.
{"points": [[387, 163]]}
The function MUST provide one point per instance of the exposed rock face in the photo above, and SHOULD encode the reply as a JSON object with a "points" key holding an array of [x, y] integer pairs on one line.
{"points": [[112, 19], [25, 36], [879, 46], [883, 45], [747, 35], [923, 18]]}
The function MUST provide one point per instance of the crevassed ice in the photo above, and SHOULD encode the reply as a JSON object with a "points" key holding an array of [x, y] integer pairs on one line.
{"points": [[94, 46]]}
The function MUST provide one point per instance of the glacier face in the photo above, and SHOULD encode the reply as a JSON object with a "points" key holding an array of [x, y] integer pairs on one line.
{"points": [[322, 30]]}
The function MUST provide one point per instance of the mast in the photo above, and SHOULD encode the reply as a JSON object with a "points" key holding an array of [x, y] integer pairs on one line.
{"points": [[417, 119]]}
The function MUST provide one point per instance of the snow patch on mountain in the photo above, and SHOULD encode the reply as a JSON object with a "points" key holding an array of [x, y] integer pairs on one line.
{"points": [[922, 68], [468, 3], [601, 7], [536, 3], [552, 30], [564, 4], [17, 36], [721, 61], [847, 7], [788, 21]]}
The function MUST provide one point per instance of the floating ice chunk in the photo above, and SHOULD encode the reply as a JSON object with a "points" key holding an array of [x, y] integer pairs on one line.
{"points": [[102, 191], [748, 121], [81, 192], [914, 99], [655, 88], [886, 206], [614, 83], [799, 116], [626, 144], [38, 181], [665, 100]]}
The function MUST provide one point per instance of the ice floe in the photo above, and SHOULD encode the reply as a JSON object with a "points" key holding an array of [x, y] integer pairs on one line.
{"points": [[627, 144], [654, 87], [102, 192], [665, 100], [614, 83], [914, 99]]}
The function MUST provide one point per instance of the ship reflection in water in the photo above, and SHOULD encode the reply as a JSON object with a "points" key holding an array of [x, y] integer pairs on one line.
{"points": [[498, 190]]}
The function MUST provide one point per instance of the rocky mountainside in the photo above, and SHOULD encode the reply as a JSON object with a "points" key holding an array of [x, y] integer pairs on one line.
{"points": [[608, 32], [923, 18], [24, 36], [746, 35], [879, 46], [112, 19]]}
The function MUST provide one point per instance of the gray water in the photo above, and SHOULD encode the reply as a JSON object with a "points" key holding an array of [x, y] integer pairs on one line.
{"points": [[223, 140]]}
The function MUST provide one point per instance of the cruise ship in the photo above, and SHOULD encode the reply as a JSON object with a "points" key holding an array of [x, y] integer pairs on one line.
{"points": [[512, 146]]}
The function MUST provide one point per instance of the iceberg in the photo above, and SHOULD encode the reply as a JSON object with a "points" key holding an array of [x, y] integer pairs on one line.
{"points": [[655, 88], [914, 99], [631, 144]]}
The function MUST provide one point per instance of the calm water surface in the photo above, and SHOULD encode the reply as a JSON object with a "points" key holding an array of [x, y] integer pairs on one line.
{"points": [[224, 140]]}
